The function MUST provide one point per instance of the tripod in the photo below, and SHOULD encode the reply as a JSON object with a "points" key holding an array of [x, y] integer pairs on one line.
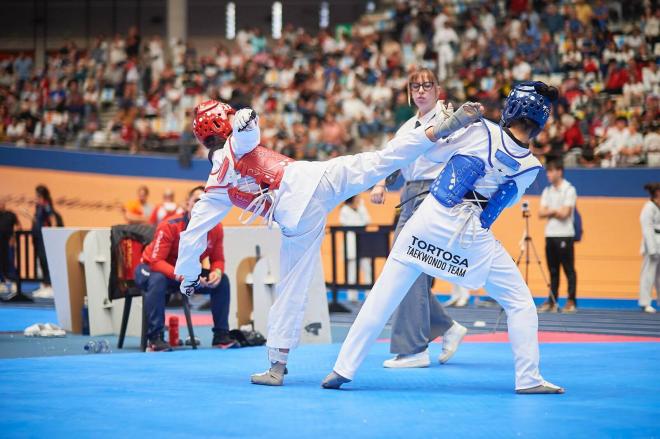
{"points": [[525, 244]]}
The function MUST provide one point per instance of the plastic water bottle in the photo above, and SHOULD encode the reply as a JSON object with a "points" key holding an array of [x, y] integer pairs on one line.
{"points": [[97, 347], [103, 347], [174, 331], [85, 317]]}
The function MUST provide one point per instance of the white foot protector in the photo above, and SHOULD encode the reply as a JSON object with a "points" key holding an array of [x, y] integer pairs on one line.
{"points": [[402, 361], [451, 340], [542, 389], [272, 377], [334, 381]]}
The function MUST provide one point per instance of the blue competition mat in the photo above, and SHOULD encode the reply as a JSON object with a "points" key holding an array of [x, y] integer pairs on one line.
{"points": [[612, 391], [18, 318]]}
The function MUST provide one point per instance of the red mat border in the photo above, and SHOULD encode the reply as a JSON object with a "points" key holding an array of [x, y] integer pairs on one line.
{"points": [[555, 337], [206, 319]]}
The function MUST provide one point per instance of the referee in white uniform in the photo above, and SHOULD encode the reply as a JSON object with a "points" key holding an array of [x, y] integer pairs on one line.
{"points": [[558, 206], [420, 317]]}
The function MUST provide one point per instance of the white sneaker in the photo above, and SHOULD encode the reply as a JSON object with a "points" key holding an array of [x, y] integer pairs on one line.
{"points": [[649, 309], [52, 330], [451, 340], [34, 330], [462, 302], [44, 330], [421, 359], [546, 388], [44, 292]]}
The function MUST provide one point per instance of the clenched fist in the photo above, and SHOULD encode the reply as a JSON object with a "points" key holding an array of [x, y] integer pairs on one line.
{"points": [[245, 119], [188, 287]]}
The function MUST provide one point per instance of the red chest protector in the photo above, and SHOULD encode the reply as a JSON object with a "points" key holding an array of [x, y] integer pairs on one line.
{"points": [[266, 167]]}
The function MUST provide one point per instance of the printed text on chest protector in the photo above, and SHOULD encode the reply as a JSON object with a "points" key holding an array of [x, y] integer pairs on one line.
{"points": [[438, 257]]}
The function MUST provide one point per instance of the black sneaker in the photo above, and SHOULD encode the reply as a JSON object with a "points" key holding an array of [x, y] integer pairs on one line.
{"points": [[222, 340], [158, 345]]}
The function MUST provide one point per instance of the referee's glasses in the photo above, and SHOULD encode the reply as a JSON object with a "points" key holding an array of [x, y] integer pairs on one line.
{"points": [[415, 86]]}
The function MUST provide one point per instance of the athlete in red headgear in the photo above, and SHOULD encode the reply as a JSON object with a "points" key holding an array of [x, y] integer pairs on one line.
{"points": [[297, 195]]}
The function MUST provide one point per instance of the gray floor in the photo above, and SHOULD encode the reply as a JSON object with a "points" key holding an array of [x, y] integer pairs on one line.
{"points": [[591, 321]]}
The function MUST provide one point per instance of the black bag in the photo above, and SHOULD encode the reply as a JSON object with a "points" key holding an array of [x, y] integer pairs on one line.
{"points": [[577, 225], [247, 338]]}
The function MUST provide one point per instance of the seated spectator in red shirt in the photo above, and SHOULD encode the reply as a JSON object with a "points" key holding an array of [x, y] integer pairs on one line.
{"points": [[616, 78], [166, 209], [573, 135], [155, 276]]}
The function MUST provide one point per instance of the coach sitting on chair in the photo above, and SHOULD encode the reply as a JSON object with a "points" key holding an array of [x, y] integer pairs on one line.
{"points": [[155, 276]]}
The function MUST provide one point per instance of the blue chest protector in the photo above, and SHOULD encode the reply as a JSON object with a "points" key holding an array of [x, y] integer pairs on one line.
{"points": [[498, 202], [460, 176], [456, 179]]}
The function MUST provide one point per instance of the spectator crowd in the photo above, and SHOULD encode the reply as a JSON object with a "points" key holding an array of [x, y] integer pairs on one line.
{"points": [[322, 95]]}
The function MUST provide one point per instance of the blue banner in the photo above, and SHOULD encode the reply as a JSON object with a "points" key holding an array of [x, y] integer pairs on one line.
{"points": [[618, 182]]}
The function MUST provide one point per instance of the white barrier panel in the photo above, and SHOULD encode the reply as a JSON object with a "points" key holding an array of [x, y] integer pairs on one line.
{"points": [[105, 315], [79, 262], [79, 265], [63, 247], [240, 245]]}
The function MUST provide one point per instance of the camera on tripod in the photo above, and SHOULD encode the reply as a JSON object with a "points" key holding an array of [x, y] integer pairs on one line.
{"points": [[525, 208]]}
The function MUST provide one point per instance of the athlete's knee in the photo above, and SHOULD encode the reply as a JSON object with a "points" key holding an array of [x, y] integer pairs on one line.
{"points": [[521, 302]]}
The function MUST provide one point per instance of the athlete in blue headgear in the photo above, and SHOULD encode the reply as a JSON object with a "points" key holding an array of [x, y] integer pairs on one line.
{"points": [[489, 167]]}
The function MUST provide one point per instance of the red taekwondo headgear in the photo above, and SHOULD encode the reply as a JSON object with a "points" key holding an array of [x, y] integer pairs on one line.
{"points": [[211, 122]]}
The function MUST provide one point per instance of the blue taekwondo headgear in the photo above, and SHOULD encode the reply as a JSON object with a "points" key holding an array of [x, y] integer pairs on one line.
{"points": [[531, 100]]}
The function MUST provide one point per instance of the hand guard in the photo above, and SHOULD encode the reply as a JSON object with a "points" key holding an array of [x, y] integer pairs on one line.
{"points": [[188, 287], [467, 113], [245, 120], [442, 111]]}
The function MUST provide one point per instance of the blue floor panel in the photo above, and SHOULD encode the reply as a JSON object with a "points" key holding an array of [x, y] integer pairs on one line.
{"points": [[18, 318], [612, 391]]}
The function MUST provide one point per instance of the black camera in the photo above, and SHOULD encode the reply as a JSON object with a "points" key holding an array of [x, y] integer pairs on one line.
{"points": [[525, 206]]}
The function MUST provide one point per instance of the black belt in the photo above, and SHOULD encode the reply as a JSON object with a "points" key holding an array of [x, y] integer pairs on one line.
{"points": [[414, 196], [476, 198], [430, 180], [471, 196]]}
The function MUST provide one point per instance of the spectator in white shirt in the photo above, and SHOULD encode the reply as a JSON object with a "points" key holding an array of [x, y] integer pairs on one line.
{"points": [[521, 70], [651, 78], [651, 148], [633, 92], [631, 151], [615, 138], [558, 206], [443, 40]]}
